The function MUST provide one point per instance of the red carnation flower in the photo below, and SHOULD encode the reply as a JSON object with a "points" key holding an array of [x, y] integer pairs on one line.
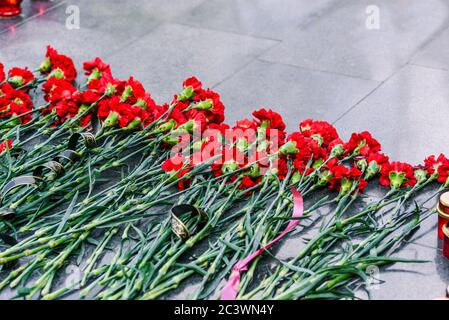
{"points": [[269, 119], [173, 164], [18, 77], [248, 183], [362, 144], [397, 175], [443, 173], [19, 103], [58, 65], [194, 83], [58, 89], [96, 66], [5, 145], [209, 103], [2, 73], [322, 131], [432, 163]]}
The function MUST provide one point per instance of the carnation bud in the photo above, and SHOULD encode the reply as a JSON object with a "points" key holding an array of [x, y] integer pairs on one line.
{"points": [[420, 175], [186, 94], [296, 177], [324, 178], [45, 66], [345, 186], [288, 148], [15, 81], [171, 140], [141, 103], [254, 172], [134, 124], [265, 124], [242, 144], [110, 90], [111, 120], [318, 163], [189, 126], [396, 179], [56, 73], [127, 93], [166, 126], [337, 151], [318, 139], [204, 105], [372, 170], [229, 166], [361, 164], [263, 145], [446, 184], [95, 75]]}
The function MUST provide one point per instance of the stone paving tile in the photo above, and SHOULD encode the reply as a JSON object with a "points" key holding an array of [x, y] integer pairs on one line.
{"points": [[296, 93], [263, 18], [407, 114], [30, 11], [435, 54], [105, 26], [340, 42], [126, 20], [164, 58], [414, 280], [24, 48]]}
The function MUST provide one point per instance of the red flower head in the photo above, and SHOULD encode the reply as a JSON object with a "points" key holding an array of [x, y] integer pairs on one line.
{"points": [[106, 85], [372, 164], [2, 73], [14, 103], [58, 89], [321, 131], [193, 83], [304, 148], [432, 164], [18, 77], [397, 175], [116, 113], [58, 65], [273, 124], [336, 148], [269, 119], [209, 103], [248, 182], [343, 179], [175, 167], [362, 144], [95, 69], [5, 145], [443, 174], [132, 91]]}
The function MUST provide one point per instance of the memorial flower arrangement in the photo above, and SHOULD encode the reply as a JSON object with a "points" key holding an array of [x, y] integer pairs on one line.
{"points": [[142, 196]]}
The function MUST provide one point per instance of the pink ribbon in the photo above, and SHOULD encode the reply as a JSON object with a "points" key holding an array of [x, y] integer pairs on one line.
{"points": [[230, 290]]}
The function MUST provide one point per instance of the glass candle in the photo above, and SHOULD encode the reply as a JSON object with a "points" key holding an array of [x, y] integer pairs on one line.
{"points": [[443, 213], [446, 241], [10, 8]]}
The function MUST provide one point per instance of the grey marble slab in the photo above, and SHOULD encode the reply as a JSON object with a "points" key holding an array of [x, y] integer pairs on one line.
{"points": [[340, 41]]}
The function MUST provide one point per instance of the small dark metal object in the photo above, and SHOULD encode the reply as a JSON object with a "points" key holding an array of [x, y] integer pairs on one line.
{"points": [[88, 139], [70, 155], [53, 166], [179, 228], [9, 213]]}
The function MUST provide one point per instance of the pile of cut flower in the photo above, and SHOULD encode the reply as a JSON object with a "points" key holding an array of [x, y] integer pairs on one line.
{"points": [[138, 198]]}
